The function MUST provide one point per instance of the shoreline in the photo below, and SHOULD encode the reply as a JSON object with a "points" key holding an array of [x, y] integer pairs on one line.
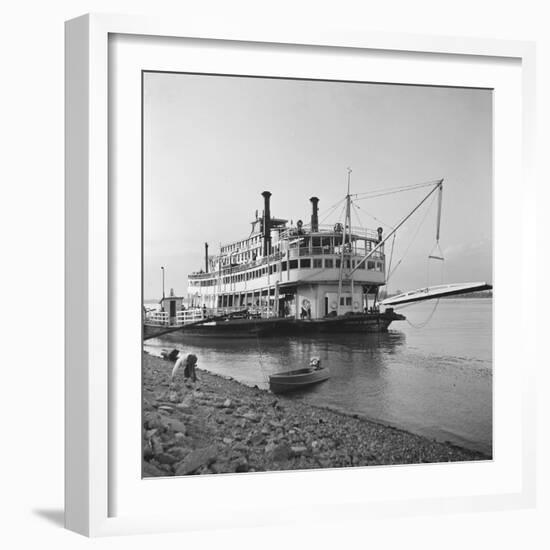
{"points": [[219, 425]]}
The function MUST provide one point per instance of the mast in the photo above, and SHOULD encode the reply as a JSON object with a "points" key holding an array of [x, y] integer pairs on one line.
{"points": [[347, 229]]}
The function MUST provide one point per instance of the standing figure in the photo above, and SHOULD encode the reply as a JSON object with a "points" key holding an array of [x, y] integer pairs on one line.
{"points": [[189, 364]]}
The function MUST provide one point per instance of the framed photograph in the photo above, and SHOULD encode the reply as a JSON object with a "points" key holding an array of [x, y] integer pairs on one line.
{"points": [[296, 276]]}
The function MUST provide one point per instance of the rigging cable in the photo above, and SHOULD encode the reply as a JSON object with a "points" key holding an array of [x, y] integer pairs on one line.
{"points": [[426, 321], [412, 240], [397, 189], [391, 256], [372, 216], [331, 210]]}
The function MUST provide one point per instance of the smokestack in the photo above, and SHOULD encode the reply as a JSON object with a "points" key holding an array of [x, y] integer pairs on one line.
{"points": [[206, 257], [314, 214], [267, 223]]}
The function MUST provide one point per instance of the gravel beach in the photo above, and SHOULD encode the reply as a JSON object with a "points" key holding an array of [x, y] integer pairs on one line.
{"points": [[218, 425]]}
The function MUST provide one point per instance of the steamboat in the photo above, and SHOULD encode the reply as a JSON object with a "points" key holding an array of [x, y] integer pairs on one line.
{"points": [[293, 279]]}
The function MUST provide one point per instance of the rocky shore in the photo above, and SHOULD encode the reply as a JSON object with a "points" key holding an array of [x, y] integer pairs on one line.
{"points": [[218, 425]]}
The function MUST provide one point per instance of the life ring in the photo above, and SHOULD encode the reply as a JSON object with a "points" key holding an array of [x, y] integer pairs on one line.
{"points": [[333, 305]]}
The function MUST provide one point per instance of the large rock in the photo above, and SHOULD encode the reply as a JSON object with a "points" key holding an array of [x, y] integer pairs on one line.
{"points": [[196, 459], [298, 450], [150, 470], [281, 452], [152, 420], [257, 439], [240, 465], [166, 458], [174, 425], [156, 445]]}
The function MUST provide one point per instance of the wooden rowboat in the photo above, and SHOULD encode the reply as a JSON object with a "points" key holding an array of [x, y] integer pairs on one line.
{"points": [[297, 379]]}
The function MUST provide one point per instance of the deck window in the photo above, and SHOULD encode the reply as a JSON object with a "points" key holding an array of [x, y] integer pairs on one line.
{"points": [[283, 266], [317, 262], [338, 262], [370, 265], [348, 301], [305, 263], [293, 264], [329, 263]]}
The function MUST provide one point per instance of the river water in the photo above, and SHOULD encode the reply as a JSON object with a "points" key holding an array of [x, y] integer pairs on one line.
{"points": [[435, 381]]}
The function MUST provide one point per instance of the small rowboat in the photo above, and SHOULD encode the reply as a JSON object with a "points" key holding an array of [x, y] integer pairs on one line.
{"points": [[297, 379]]}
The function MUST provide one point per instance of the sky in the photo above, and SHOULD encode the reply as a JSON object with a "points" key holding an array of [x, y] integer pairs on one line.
{"points": [[212, 144]]}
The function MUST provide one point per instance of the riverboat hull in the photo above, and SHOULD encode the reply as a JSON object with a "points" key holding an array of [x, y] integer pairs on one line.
{"points": [[244, 328]]}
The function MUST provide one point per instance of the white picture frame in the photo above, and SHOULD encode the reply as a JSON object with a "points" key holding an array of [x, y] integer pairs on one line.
{"points": [[91, 216]]}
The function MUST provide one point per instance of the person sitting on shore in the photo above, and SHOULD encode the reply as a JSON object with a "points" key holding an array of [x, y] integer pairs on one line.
{"points": [[189, 364]]}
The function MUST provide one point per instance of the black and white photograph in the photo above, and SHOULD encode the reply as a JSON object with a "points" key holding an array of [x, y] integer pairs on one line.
{"points": [[316, 274]]}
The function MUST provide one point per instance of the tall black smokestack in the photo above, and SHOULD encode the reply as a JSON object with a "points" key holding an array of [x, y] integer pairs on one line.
{"points": [[206, 257], [267, 223], [314, 214]]}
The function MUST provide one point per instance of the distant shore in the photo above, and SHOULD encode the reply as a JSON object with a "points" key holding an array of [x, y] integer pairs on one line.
{"points": [[218, 425]]}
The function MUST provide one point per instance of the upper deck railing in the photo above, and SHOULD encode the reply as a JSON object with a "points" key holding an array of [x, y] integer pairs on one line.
{"points": [[329, 230], [260, 262], [291, 254]]}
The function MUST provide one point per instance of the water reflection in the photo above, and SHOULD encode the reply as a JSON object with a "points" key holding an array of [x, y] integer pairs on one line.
{"points": [[436, 381]]}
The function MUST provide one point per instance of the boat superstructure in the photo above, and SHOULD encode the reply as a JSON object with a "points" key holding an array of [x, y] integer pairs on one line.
{"points": [[308, 271]]}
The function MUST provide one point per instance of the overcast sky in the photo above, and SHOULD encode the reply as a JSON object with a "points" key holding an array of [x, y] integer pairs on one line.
{"points": [[212, 144]]}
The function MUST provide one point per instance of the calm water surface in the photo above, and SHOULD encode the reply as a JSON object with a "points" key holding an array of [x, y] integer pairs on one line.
{"points": [[435, 381]]}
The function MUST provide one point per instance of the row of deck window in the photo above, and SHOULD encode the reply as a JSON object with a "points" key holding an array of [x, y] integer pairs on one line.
{"points": [[303, 263]]}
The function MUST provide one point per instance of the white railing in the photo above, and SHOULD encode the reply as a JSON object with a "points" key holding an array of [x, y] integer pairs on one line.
{"points": [[193, 315], [186, 316], [158, 318], [328, 229]]}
